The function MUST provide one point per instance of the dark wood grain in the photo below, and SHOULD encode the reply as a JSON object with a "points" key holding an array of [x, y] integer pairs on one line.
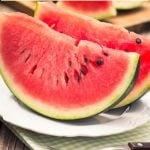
{"points": [[21, 6], [8, 141], [4, 8]]}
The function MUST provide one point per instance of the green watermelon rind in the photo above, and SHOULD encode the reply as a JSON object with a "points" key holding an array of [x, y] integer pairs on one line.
{"points": [[140, 93], [111, 12], [133, 82], [128, 6], [60, 114]]}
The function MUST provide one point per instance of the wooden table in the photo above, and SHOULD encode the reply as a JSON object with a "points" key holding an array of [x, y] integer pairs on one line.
{"points": [[8, 141]]}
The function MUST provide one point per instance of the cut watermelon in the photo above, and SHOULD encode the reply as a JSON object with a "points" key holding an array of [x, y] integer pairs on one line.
{"points": [[96, 9], [86, 28], [57, 76], [129, 4]]}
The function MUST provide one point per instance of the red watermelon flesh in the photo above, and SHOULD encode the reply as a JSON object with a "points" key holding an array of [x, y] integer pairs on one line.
{"points": [[96, 9], [112, 36], [56, 77]]}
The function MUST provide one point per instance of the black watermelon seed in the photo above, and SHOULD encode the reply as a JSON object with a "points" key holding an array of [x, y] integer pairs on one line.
{"points": [[86, 60], [83, 70], [33, 69], [28, 57], [22, 51], [70, 63], [57, 82], [66, 78], [77, 76], [106, 54], [138, 41], [99, 62]]}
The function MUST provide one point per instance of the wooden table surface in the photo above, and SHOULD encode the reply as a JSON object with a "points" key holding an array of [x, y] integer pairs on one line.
{"points": [[8, 141]]}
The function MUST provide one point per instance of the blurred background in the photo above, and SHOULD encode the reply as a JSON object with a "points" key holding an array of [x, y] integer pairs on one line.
{"points": [[132, 14]]}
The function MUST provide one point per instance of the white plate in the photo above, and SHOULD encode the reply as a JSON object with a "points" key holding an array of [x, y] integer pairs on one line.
{"points": [[13, 112]]}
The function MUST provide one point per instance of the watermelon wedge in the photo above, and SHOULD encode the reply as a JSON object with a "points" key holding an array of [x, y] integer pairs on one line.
{"points": [[57, 76], [96, 9], [115, 37], [127, 5]]}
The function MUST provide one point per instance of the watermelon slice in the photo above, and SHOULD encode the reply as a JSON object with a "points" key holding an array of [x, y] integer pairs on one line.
{"points": [[96, 9], [57, 76], [86, 28], [129, 4]]}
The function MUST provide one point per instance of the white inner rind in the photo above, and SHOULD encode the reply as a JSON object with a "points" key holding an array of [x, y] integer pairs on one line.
{"points": [[66, 113]]}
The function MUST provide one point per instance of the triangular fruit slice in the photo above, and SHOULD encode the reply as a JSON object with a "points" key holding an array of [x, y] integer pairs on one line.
{"points": [[96, 9], [129, 4], [112, 36], [56, 76]]}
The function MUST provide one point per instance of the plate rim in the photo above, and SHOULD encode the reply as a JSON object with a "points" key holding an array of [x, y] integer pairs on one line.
{"points": [[15, 122]]}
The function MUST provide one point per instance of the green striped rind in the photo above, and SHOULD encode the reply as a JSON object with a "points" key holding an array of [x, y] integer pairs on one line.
{"points": [[70, 114], [143, 89], [101, 15], [129, 89]]}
